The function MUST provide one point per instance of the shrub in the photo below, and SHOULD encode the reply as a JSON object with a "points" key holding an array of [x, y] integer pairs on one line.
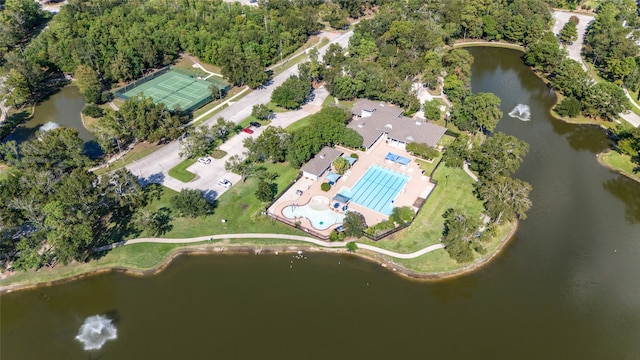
{"points": [[325, 186], [93, 110], [354, 156]]}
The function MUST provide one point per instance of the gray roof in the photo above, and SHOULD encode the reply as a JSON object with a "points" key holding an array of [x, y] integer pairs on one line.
{"points": [[402, 129], [376, 107], [321, 162]]}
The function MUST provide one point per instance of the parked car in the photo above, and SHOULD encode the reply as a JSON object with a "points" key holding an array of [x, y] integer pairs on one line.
{"points": [[224, 183], [255, 124], [204, 160], [247, 130]]}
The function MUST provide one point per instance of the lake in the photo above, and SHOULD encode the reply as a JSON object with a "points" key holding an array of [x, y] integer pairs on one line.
{"points": [[564, 288]]}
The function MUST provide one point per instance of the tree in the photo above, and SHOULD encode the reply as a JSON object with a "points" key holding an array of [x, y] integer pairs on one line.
{"points": [[569, 32], [353, 224], [545, 54], [261, 112], [190, 203], [569, 107], [457, 152], [242, 167], [265, 191], [155, 223], [216, 92], [198, 142], [402, 215], [341, 165], [505, 198], [570, 79], [432, 109], [88, 84], [499, 155], [479, 112], [458, 235], [292, 93], [16, 88], [352, 246], [605, 100], [270, 146]]}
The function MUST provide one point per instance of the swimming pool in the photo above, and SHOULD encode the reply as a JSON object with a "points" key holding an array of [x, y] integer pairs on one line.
{"points": [[377, 189], [317, 212]]}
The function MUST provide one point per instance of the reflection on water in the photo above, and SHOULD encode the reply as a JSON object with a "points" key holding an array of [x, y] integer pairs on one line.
{"points": [[619, 187], [63, 109]]}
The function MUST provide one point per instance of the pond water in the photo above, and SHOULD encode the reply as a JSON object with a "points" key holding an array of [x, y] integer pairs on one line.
{"points": [[61, 109], [565, 288]]}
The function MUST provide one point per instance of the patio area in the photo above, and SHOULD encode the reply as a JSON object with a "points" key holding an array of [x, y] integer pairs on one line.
{"points": [[302, 192]]}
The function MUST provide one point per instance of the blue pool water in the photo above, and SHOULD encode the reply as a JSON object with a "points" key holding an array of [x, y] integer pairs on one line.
{"points": [[319, 214], [377, 188]]}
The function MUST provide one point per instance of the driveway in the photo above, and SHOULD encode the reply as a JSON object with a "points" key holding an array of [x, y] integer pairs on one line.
{"points": [[575, 49], [154, 167]]}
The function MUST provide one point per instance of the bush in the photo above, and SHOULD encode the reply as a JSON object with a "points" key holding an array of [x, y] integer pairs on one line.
{"points": [[325, 186], [93, 110], [190, 203], [354, 156], [423, 150], [569, 107]]}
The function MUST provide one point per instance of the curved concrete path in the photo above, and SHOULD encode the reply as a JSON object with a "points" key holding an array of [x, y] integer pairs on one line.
{"points": [[307, 239]]}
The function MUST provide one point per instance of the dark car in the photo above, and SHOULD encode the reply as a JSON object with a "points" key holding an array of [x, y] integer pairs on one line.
{"points": [[255, 124]]}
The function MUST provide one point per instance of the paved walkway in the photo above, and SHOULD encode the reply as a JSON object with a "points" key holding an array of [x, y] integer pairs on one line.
{"points": [[337, 244]]}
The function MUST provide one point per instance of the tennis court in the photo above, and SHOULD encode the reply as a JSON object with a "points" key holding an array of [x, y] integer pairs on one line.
{"points": [[377, 189], [176, 89]]}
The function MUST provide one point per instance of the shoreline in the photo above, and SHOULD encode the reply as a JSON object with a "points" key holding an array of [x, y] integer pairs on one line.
{"points": [[256, 249]]}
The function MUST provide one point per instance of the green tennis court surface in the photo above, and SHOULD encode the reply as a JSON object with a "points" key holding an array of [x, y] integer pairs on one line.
{"points": [[175, 89]]}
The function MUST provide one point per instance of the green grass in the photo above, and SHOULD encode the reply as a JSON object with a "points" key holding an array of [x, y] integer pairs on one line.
{"points": [[137, 256], [275, 108], [305, 121], [180, 172], [621, 163], [218, 154], [439, 261], [454, 190], [238, 206]]}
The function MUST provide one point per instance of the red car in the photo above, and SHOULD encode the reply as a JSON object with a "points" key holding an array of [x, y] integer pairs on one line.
{"points": [[247, 130]]}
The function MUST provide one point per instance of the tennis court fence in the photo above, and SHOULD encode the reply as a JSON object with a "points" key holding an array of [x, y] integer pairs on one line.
{"points": [[120, 92]]}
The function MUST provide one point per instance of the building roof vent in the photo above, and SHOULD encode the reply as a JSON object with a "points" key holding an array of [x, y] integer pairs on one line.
{"points": [[418, 123], [410, 138], [389, 126], [361, 125]]}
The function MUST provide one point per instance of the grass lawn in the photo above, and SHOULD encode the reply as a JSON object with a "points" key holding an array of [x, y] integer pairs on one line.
{"points": [[180, 172], [238, 206], [137, 256], [275, 108], [218, 154], [299, 124], [620, 162], [454, 190], [439, 261]]}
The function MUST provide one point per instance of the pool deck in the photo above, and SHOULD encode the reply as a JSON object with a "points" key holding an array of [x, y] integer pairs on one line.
{"points": [[418, 185]]}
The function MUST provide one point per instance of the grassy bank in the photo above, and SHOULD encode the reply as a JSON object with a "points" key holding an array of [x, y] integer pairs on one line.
{"points": [[621, 163], [454, 190], [180, 172]]}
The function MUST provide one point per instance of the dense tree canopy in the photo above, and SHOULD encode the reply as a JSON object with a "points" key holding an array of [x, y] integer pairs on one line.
{"points": [[53, 209]]}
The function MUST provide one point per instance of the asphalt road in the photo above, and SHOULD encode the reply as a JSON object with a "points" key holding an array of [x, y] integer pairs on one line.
{"points": [[154, 167], [574, 49]]}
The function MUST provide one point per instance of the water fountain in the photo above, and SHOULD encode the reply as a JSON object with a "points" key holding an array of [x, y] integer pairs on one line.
{"points": [[48, 126], [522, 112], [95, 331]]}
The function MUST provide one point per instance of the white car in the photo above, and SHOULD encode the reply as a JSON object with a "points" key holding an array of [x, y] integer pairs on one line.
{"points": [[224, 183], [204, 160]]}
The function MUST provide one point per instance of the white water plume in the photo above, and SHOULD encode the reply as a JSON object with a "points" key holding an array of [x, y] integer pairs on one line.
{"points": [[96, 331], [522, 112], [49, 126]]}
